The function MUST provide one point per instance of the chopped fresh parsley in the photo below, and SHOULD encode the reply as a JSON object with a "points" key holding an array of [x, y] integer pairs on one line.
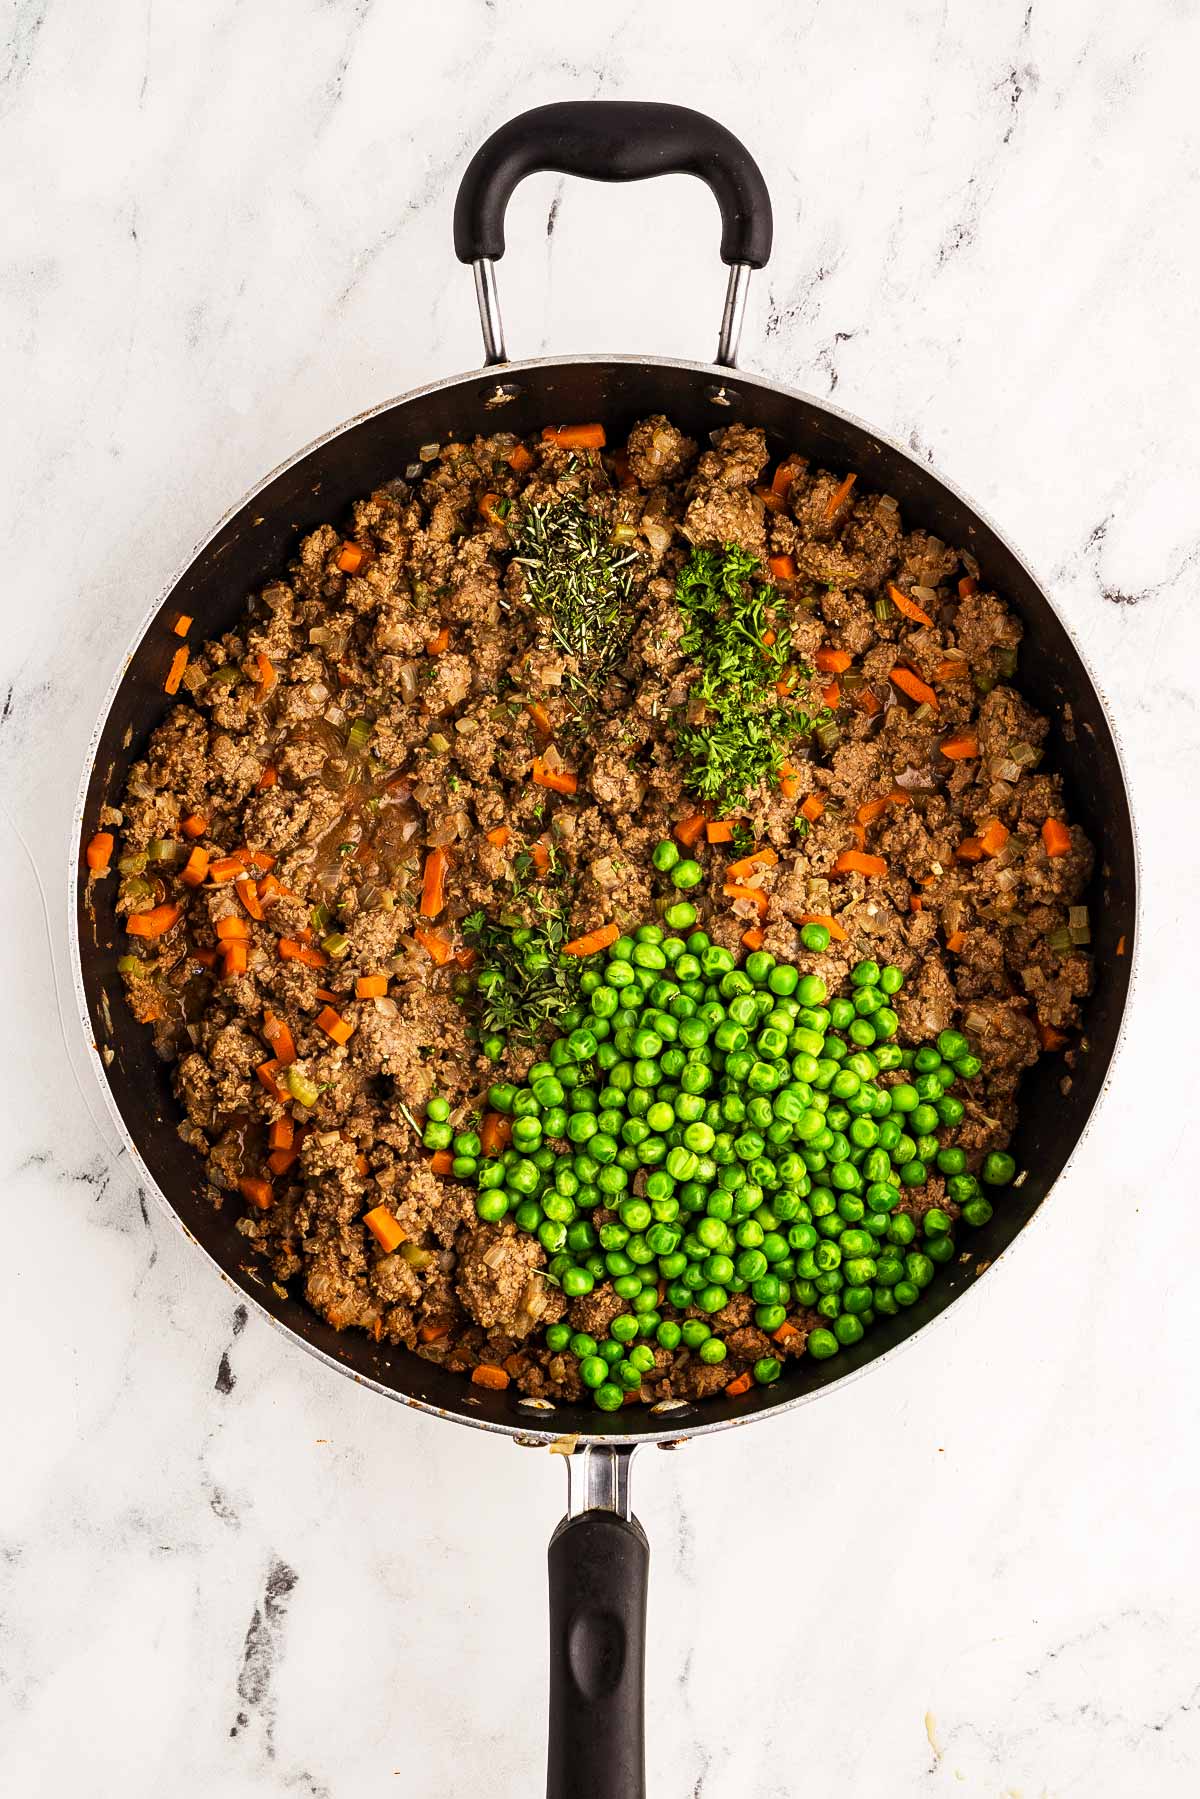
{"points": [[743, 728]]}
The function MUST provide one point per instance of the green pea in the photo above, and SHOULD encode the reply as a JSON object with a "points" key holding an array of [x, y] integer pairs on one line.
{"points": [[865, 974], [686, 874], [822, 1344], [680, 916], [712, 1351], [977, 1211], [848, 1329], [767, 1369], [998, 1168], [952, 1045], [609, 1397], [815, 937], [891, 979], [593, 1369]]}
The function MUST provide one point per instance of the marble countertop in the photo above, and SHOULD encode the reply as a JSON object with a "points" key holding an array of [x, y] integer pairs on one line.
{"points": [[222, 1569]]}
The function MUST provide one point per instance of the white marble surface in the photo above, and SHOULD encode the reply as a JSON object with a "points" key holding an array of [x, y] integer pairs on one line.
{"points": [[222, 1569]]}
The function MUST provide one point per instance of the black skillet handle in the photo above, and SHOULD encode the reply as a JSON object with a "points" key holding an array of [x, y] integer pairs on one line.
{"points": [[614, 140], [599, 1572]]}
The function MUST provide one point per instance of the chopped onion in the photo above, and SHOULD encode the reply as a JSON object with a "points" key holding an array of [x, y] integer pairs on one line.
{"points": [[977, 1022], [428, 452], [1024, 755], [925, 596], [407, 678]]}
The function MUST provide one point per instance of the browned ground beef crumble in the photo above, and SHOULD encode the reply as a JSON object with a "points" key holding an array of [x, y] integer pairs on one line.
{"points": [[449, 760]]}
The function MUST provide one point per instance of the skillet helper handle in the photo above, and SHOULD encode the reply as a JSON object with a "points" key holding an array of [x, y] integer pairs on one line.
{"points": [[613, 140], [599, 1572]]}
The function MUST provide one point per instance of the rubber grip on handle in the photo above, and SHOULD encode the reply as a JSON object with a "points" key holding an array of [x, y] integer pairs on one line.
{"points": [[614, 140], [599, 1571]]}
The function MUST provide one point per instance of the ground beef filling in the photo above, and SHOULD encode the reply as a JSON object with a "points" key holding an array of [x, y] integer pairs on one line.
{"points": [[400, 749]]}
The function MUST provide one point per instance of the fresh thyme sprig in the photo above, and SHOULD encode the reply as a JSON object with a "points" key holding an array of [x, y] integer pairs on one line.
{"points": [[524, 982], [581, 582]]}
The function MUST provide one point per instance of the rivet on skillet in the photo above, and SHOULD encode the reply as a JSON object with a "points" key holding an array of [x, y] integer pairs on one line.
{"points": [[500, 393]]}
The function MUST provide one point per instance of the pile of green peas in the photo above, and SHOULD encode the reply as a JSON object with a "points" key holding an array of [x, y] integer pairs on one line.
{"points": [[729, 1128]]}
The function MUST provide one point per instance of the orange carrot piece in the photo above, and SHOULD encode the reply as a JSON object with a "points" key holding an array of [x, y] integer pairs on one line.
{"points": [[735, 890], [574, 437], [247, 892], [439, 643], [785, 474], [268, 778], [856, 862], [465, 958], [183, 624], [495, 1133], [256, 858], [179, 662], [870, 810], [204, 958], [782, 567], [520, 459], [774, 502], [154, 922], [1052, 1039], [955, 941], [904, 603], [812, 808], [543, 724], [966, 587], [1056, 837], [753, 938], [329, 999], [499, 837], [993, 837], [266, 675], [281, 1132], [430, 1333], [441, 1161], [291, 951], [370, 986], [962, 747], [233, 927], [951, 670], [831, 696], [280, 1160], [592, 942], [741, 1385], [99, 852], [488, 512], [384, 1228], [787, 1330], [837, 931], [557, 780], [278, 1034], [540, 856], [433, 887], [719, 830], [833, 662], [334, 1025], [194, 825], [840, 493], [351, 557], [762, 858], [226, 868], [914, 687], [266, 1074], [1120, 950], [915, 902], [486, 1374], [257, 1191], [436, 943], [235, 958], [789, 781], [690, 830]]}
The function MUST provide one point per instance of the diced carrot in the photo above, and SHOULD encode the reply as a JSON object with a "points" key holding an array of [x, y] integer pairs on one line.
{"points": [[785, 474], [621, 468], [592, 942], [99, 852], [194, 825], [441, 1161], [520, 459], [741, 1385], [558, 780], [840, 493], [785, 683], [266, 675], [291, 951], [993, 837], [1052, 1039], [256, 858], [257, 1191], [268, 778], [837, 931], [719, 830], [574, 437], [226, 868], [247, 892], [233, 927], [962, 747], [833, 662], [465, 958], [904, 603], [690, 830], [487, 1374], [782, 567], [760, 858], [328, 998], [951, 670], [543, 724], [351, 557], [433, 887], [914, 687], [438, 644], [1120, 949], [540, 856], [266, 1074], [495, 1133], [774, 502], [499, 837], [870, 810], [281, 1160], [753, 938], [384, 1228], [179, 662], [915, 902], [955, 941], [183, 624], [489, 509], [154, 922], [1056, 837], [970, 850], [281, 1132], [856, 862], [812, 808], [789, 781], [278, 1034], [430, 1333], [859, 834], [966, 587], [787, 1330], [370, 986], [235, 958], [205, 958], [334, 1025], [436, 943], [831, 696], [735, 890]]}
